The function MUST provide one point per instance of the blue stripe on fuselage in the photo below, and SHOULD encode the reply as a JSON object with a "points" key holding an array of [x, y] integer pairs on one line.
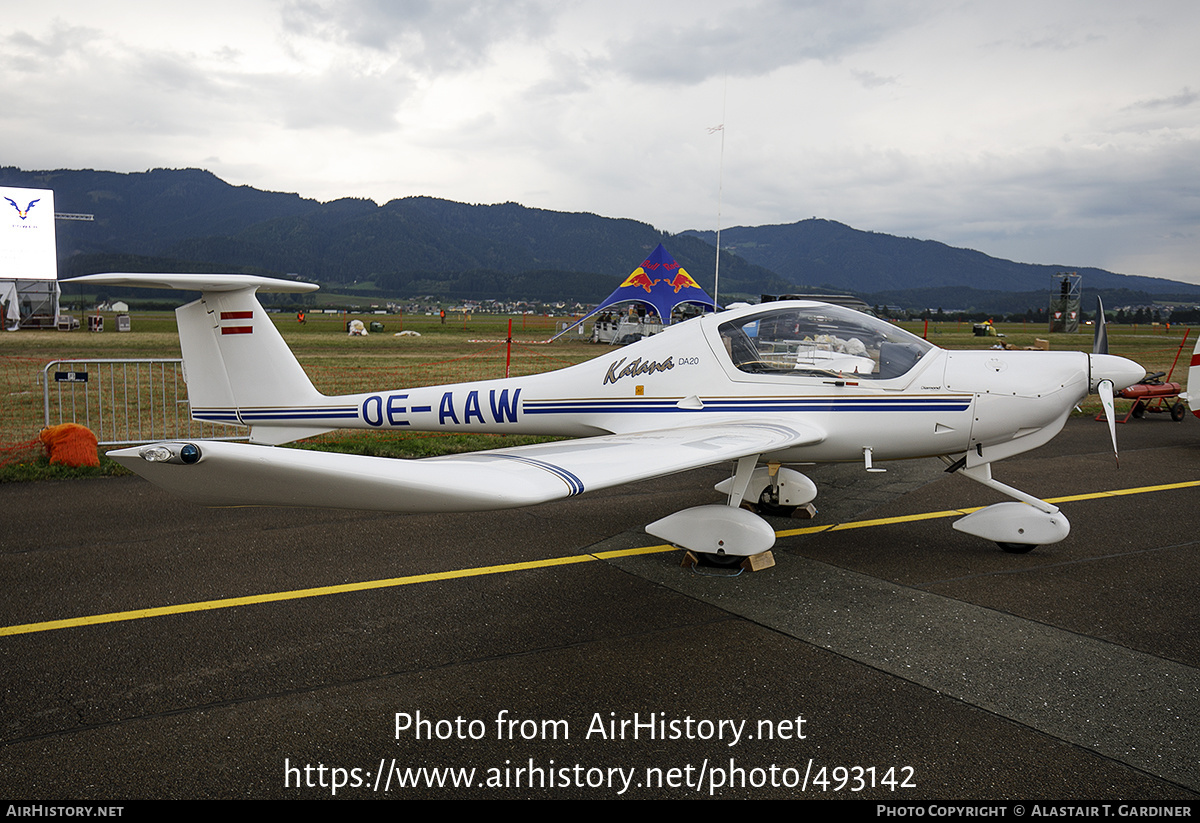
{"points": [[772, 404]]}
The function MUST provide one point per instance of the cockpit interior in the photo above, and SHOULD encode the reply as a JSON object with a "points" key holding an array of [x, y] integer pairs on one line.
{"points": [[822, 340]]}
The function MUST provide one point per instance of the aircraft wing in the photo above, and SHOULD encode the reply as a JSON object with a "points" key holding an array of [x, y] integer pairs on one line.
{"points": [[239, 474]]}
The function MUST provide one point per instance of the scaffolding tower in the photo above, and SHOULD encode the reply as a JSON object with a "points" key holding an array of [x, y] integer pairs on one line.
{"points": [[1065, 297]]}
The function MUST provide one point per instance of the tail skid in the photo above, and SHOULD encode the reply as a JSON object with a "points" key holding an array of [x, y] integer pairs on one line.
{"points": [[237, 366]]}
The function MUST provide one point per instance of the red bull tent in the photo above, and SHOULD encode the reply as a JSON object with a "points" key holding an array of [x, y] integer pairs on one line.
{"points": [[660, 283]]}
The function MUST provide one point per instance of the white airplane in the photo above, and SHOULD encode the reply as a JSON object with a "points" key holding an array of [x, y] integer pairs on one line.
{"points": [[761, 387], [1193, 380]]}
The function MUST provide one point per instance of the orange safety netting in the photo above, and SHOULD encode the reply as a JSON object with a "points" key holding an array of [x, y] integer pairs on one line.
{"points": [[70, 444]]}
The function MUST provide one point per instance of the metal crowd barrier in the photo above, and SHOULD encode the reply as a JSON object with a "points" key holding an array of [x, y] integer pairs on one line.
{"points": [[126, 401]]}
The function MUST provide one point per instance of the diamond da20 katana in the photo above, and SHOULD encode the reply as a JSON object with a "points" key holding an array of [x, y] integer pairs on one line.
{"points": [[763, 388]]}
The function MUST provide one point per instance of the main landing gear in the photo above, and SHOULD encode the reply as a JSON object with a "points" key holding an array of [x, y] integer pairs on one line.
{"points": [[728, 534]]}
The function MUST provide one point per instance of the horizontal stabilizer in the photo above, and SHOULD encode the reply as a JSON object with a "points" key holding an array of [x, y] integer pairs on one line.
{"points": [[195, 282]]}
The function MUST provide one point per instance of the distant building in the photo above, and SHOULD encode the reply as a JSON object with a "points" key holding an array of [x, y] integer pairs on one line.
{"points": [[847, 300]]}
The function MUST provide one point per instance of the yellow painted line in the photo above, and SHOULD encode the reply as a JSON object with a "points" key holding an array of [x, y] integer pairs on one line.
{"points": [[882, 521], [909, 518], [298, 594], [481, 571], [666, 547], [1187, 484]]}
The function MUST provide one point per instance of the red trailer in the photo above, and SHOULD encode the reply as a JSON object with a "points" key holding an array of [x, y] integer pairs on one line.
{"points": [[1154, 394]]}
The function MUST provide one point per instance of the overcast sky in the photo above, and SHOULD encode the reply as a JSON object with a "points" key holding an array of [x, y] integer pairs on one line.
{"points": [[1058, 131]]}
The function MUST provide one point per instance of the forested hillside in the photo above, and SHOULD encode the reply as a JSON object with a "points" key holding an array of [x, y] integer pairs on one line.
{"points": [[191, 220]]}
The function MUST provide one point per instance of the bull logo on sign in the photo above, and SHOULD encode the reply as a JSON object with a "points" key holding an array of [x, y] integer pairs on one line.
{"points": [[20, 213]]}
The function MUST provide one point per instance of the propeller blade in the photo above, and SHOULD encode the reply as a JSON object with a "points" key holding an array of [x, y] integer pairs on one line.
{"points": [[1105, 390], [1100, 342]]}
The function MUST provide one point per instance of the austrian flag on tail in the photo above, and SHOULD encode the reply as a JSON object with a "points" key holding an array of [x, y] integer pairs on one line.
{"points": [[235, 322]]}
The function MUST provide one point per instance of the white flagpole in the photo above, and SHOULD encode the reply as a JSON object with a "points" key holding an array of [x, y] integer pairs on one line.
{"points": [[720, 193]]}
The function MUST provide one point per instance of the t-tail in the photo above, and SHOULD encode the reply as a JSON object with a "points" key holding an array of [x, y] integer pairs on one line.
{"points": [[237, 366]]}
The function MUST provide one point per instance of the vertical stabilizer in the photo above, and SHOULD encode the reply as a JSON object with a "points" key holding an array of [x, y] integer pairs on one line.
{"points": [[237, 367]]}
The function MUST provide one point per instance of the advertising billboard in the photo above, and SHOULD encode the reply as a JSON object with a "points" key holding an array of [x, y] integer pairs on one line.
{"points": [[27, 249]]}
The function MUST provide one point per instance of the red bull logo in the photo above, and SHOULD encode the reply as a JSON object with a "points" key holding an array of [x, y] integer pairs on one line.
{"points": [[683, 280], [22, 213], [640, 278]]}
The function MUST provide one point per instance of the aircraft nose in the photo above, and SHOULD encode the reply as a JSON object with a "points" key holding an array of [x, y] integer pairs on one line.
{"points": [[1119, 370]]}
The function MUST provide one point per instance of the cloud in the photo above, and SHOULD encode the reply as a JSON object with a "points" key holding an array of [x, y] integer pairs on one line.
{"points": [[30, 53], [1056, 132], [749, 41], [446, 35], [1184, 99], [871, 80]]}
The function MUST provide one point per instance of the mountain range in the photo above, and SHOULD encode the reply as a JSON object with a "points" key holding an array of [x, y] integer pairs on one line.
{"points": [[191, 220]]}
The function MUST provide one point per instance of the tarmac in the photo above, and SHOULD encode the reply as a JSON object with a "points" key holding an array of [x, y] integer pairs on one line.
{"points": [[157, 649]]}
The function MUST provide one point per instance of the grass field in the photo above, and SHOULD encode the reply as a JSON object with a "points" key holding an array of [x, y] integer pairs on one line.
{"points": [[464, 348]]}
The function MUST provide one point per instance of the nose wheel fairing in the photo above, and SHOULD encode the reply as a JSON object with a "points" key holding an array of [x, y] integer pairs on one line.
{"points": [[1013, 524]]}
